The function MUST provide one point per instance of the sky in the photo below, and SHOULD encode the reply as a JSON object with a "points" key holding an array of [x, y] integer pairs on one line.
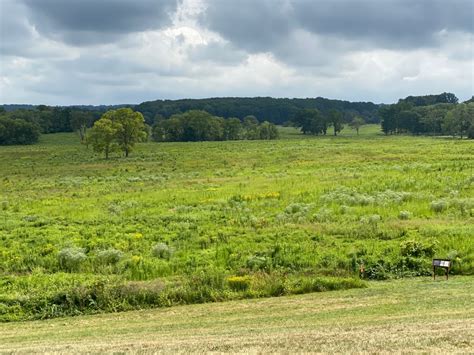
{"points": [[64, 52]]}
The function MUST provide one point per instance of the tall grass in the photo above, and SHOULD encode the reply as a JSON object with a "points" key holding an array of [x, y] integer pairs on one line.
{"points": [[297, 207]]}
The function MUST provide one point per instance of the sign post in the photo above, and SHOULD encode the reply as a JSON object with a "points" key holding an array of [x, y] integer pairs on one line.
{"points": [[442, 263]]}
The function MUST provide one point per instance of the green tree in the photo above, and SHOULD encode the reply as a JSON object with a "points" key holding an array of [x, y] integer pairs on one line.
{"points": [[103, 136], [251, 127], [232, 129], [335, 118], [356, 123], [268, 130], [130, 128], [18, 131], [310, 121]]}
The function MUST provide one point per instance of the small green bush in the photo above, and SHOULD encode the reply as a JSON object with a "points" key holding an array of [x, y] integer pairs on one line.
{"points": [[70, 259], [109, 256], [162, 251], [257, 262], [404, 215], [413, 248], [439, 206], [239, 283]]}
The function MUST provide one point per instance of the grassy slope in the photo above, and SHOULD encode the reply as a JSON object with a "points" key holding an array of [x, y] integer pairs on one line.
{"points": [[404, 315], [58, 194]]}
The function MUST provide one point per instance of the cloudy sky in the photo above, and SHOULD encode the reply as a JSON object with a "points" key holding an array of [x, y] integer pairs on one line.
{"points": [[62, 52]]}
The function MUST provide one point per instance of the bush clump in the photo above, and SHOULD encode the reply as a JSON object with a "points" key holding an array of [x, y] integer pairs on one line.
{"points": [[162, 251], [70, 259], [404, 215], [413, 248], [439, 206], [239, 283], [109, 256]]}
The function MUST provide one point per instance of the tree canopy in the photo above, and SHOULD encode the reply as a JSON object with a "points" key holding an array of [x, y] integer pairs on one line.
{"points": [[116, 130], [18, 131], [198, 125]]}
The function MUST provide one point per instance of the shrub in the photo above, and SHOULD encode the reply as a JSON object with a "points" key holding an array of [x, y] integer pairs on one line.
{"points": [[439, 206], [374, 219], [110, 256], [413, 248], [404, 215], [162, 251], [257, 262], [239, 283], [70, 259], [296, 208], [377, 271]]}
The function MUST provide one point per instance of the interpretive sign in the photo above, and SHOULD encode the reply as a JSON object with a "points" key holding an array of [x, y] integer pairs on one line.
{"points": [[442, 263]]}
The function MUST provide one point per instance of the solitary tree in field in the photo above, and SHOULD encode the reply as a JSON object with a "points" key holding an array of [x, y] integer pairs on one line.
{"points": [[102, 136], [356, 123], [117, 129], [130, 127]]}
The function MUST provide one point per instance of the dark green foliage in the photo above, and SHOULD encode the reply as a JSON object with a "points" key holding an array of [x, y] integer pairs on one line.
{"points": [[311, 121], [196, 125], [335, 119], [437, 119], [18, 131], [277, 111], [444, 98], [415, 248]]}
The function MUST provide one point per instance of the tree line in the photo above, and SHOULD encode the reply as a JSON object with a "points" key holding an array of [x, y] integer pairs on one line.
{"points": [[239, 118], [275, 110], [198, 125], [442, 115], [119, 130], [23, 124]]}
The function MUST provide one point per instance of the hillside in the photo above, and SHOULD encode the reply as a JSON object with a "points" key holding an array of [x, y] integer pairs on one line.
{"points": [[275, 110], [397, 316], [210, 221]]}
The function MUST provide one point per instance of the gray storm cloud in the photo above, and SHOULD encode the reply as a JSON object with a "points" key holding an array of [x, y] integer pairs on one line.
{"points": [[90, 21], [113, 51], [261, 25]]}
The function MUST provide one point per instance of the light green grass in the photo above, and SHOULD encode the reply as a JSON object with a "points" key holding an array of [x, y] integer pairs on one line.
{"points": [[300, 206], [398, 316]]}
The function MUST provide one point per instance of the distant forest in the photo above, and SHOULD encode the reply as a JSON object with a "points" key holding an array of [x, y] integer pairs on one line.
{"points": [[277, 111], [431, 114]]}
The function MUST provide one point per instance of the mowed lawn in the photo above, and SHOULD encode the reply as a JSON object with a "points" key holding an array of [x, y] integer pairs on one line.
{"points": [[402, 315]]}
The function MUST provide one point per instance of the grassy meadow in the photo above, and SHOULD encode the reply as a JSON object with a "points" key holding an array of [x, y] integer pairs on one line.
{"points": [[408, 315], [179, 223]]}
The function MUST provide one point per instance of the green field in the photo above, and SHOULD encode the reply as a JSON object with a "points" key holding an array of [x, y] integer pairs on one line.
{"points": [[179, 223], [409, 315]]}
